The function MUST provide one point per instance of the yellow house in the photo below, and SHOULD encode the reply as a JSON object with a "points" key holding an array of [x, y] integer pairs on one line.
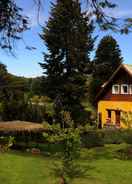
{"points": [[115, 97]]}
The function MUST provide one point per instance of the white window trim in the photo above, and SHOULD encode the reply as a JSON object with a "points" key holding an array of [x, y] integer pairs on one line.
{"points": [[113, 90], [122, 91], [130, 89]]}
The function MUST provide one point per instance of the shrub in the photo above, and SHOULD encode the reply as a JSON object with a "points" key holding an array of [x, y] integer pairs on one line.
{"points": [[126, 118], [94, 138], [91, 138], [125, 154], [112, 136], [6, 143], [127, 136]]}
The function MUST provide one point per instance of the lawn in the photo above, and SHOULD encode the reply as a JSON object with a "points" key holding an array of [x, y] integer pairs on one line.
{"points": [[101, 163]]}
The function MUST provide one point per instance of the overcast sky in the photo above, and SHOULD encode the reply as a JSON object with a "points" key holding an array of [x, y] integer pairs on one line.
{"points": [[26, 62]]}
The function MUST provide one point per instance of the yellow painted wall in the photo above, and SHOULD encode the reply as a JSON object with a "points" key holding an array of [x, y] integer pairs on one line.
{"points": [[117, 105]]}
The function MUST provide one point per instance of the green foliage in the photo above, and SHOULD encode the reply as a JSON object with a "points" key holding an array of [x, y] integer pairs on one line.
{"points": [[107, 59], [6, 143], [12, 23], [45, 104], [11, 94], [127, 135], [71, 151], [37, 86], [14, 103], [41, 100], [68, 38], [91, 138], [4, 79], [126, 118], [94, 88], [113, 136], [95, 138], [13, 109], [70, 138], [35, 113], [21, 108], [15, 94], [125, 153]]}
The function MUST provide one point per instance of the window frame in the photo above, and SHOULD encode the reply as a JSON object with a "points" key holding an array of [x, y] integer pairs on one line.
{"points": [[113, 90], [130, 89], [124, 85]]}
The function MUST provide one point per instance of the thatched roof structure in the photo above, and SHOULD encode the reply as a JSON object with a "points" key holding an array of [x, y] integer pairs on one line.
{"points": [[11, 127]]}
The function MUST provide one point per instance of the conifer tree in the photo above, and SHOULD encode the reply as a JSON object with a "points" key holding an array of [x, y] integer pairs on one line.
{"points": [[107, 58], [67, 36]]}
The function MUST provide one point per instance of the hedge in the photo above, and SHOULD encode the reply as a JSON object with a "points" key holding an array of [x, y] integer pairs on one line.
{"points": [[94, 138]]}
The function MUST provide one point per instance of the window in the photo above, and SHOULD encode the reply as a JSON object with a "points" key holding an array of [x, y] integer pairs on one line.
{"points": [[109, 113], [116, 89], [124, 89], [130, 89]]}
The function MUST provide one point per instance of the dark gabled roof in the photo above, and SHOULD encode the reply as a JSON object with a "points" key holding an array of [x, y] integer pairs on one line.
{"points": [[126, 67]]}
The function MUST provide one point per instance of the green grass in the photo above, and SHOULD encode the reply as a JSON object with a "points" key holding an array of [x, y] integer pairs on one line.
{"points": [[17, 168], [102, 165]]}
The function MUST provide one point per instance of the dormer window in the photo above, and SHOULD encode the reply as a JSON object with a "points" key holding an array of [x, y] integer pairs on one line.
{"points": [[116, 89], [124, 89]]}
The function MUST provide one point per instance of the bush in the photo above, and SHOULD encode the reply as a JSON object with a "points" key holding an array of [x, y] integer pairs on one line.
{"points": [[94, 138], [125, 153], [25, 140], [127, 136], [49, 148], [6, 143], [91, 138], [112, 136]]}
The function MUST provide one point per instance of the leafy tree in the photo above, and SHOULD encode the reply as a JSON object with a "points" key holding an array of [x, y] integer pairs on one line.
{"points": [[37, 85], [4, 80], [12, 98], [69, 42], [15, 103], [3, 74]]}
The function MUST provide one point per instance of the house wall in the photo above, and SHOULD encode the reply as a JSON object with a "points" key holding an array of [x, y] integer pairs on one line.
{"points": [[103, 105], [122, 77], [121, 102]]}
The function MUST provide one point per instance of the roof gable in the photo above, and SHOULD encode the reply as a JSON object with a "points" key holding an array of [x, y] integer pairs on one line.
{"points": [[128, 68], [125, 67]]}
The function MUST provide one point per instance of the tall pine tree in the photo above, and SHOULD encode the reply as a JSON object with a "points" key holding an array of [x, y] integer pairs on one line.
{"points": [[67, 36], [107, 59]]}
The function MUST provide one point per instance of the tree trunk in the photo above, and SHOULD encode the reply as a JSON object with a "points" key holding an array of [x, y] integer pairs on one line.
{"points": [[62, 181]]}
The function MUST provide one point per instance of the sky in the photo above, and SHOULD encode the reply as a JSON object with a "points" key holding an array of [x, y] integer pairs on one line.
{"points": [[25, 62]]}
